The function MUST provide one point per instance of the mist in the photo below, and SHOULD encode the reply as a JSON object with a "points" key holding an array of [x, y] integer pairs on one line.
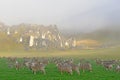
{"points": [[73, 15]]}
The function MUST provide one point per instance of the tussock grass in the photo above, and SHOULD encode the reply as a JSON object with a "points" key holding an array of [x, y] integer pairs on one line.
{"points": [[110, 53]]}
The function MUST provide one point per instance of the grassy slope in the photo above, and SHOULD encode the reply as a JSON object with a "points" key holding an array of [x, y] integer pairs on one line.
{"points": [[100, 53], [8, 43], [104, 35]]}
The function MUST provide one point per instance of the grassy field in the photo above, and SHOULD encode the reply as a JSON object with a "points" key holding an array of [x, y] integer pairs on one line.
{"points": [[108, 53], [52, 73]]}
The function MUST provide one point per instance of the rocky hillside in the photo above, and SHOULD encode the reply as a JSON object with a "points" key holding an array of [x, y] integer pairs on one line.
{"points": [[33, 36]]}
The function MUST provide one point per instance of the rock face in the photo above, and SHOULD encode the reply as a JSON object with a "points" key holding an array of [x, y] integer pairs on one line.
{"points": [[38, 36]]}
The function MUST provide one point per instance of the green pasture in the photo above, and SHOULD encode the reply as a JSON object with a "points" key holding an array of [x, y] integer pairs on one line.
{"points": [[52, 73]]}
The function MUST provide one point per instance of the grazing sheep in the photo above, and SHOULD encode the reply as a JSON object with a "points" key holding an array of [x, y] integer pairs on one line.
{"points": [[75, 68], [118, 68], [12, 59], [34, 67], [63, 67], [108, 66], [41, 67], [85, 66], [98, 61], [38, 67], [44, 61], [17, 65], [27, 64]]}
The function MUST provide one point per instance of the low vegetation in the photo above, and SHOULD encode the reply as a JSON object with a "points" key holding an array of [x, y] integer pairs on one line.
{"points": [[104, 71]]}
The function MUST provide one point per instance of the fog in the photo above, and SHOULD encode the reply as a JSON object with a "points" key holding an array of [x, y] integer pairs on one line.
{"points": [[72, 15]]}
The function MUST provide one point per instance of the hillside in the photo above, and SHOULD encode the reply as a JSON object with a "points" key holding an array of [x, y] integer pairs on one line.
{"points": [[107, 36], [8, 43], [110, 34], [33, 36]]}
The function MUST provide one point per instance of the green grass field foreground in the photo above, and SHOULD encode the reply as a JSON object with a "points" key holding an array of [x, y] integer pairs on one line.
{"points": [[52, 73]]}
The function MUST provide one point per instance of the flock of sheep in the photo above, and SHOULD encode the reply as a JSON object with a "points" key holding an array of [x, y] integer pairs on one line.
{"points": [[63, 65]]}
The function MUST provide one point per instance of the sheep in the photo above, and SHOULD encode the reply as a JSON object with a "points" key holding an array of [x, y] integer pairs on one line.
{"points": [[118, 68], [98, 61], [75, 68], [41, 67], [63, 67], [12, 59], [17, 65], [35, 66], [85, 66], [108, 66], [27, 64]]}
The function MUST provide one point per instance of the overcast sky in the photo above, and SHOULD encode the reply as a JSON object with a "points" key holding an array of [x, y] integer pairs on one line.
{"points": [[67, 14]]}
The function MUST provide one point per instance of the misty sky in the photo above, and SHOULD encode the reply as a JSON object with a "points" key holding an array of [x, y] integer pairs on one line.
{"points": [[67, 14]]}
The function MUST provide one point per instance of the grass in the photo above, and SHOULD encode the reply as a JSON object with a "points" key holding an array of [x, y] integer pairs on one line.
{"points": [[109, 53], [99, 73]]}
